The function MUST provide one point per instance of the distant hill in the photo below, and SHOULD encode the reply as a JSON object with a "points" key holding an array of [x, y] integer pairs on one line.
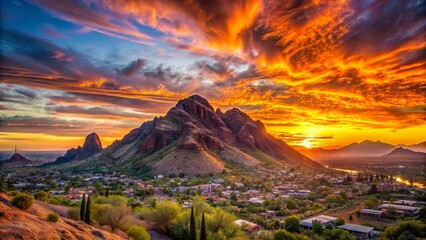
{"points": [[421, 147], [405, 154], [16, 160], [193, 138], [365, 148]]}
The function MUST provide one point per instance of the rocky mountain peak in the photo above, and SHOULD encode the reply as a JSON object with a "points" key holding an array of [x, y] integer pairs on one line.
{"points": [[92, 143], [195, 101]]}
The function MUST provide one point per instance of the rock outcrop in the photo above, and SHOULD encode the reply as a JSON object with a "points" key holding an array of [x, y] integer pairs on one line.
{"points": [[92, 145], [32, 224]]}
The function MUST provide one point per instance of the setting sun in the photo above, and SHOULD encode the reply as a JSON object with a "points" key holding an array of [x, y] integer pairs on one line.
{"points": [[306, 143]]}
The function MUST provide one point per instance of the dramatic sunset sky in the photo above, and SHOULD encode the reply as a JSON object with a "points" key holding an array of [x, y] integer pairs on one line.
{"points": [[323, 73]]}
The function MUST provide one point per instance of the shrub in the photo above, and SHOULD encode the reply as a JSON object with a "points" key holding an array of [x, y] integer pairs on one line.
{"points": [[73, 214], [292, 224], [138, 232], [340, 221], [53, 217], [358, 213], [23, 201], [41, 196]]}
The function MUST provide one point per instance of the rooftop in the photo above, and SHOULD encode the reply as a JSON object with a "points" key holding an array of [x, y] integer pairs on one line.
{"points": [[356, 228], [321, 218]]}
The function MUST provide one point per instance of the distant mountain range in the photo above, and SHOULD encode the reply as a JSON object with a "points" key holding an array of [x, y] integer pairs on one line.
{"points": [[367, 148]]}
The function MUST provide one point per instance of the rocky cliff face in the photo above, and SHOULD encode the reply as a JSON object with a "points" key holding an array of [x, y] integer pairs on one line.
{"points": [[193, 139], [92, 145]]}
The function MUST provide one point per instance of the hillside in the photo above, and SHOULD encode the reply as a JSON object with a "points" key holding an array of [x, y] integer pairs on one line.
{"points": [[193, 138], [405, 153], [32, 224]]}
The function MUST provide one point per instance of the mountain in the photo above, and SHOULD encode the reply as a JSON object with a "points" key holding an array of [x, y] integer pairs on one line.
{"points": [[193, 138], [420, 147], [32, 224], [405, 153], [92, 145], [15, 161]]}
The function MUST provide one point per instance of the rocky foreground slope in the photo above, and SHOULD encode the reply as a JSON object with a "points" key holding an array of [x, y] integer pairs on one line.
{"points": [[32, 224]]}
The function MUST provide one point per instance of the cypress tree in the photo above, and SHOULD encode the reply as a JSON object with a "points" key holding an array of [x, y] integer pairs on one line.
{"points": [[87, 214], [192, 229], [83, 207], [203, 234]]}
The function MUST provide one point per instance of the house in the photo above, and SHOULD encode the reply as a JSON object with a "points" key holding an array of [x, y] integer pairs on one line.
{"points": [[372, 213], [359, 231], [400, 209], [323, 219], [247, 226], [391, 187], [256, 200]]}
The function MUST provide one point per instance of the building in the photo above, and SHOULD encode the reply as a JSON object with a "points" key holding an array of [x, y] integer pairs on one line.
{"points": [[372, 213], [323, 219], [247, 226], [359, 231], [391, 187], [400, 209]]}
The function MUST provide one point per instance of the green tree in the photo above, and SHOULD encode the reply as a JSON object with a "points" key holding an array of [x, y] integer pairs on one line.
{"points": [[203, 232], [192, 229], [337, 234], [416, 228], [406, 236], [116, 216], [3, 184], [221, 225], [234, 197], [23, 201], [371, 202], [87, 212], [292, 224], [138, 233], [291, 204], [162, 215], [284, 235], [317, 227], [83, 207], [340, 221], [41, 196]]}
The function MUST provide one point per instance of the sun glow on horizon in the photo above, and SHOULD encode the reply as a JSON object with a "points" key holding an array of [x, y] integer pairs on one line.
{"points": [[306, 143]]}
